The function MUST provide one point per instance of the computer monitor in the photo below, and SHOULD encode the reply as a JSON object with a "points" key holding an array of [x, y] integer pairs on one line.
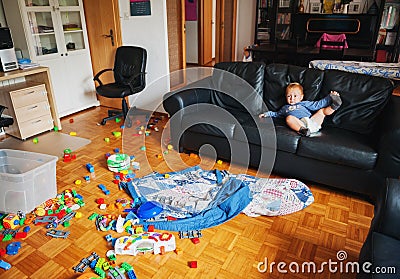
{"points": [[6, 41]]}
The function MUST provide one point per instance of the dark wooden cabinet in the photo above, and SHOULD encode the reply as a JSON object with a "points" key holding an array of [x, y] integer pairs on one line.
{"points": [[285, 26]]}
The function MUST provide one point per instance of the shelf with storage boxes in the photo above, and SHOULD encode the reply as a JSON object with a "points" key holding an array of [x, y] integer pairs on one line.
{"points": [[28, 104]]}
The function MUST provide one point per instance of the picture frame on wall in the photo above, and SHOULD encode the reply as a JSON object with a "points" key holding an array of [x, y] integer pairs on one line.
{"points": [[355, 8], [315, 7]]}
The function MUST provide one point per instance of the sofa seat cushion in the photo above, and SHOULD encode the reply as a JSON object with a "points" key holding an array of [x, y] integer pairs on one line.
{"points": [[339, 146], [274, 134], [385, 253], [209, 122]]}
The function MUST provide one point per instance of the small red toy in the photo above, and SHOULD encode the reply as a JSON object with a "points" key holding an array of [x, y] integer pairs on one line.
{"points": [[193, 264]]}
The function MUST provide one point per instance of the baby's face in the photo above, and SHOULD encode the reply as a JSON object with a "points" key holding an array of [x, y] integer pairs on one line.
{"points": [[294, 96]]}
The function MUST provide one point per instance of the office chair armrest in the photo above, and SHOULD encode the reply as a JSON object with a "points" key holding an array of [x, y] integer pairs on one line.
{"points": [[130, 81], [97, 76], [2, 108]]}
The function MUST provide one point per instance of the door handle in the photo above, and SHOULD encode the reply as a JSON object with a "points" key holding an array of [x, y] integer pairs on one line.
{"points": [[111, 35]]}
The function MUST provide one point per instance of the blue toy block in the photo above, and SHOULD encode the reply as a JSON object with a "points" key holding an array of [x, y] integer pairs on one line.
{"points": [[26, 229], [4, 265], [116, 150], [103, 188], [13, 248], [131, 274], [89, 167]]}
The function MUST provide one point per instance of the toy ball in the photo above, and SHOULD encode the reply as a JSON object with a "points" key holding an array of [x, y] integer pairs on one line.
{"points": [[149, 210]]}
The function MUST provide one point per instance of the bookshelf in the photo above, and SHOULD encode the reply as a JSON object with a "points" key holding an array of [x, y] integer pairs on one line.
{"points": [[388, 41], [274, 19]]}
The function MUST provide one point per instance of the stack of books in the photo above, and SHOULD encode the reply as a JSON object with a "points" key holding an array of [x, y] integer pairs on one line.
{"points": [[26, 64]]}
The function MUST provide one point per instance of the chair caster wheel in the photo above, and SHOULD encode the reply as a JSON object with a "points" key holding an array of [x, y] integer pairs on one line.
{"points": [[103, 122]]}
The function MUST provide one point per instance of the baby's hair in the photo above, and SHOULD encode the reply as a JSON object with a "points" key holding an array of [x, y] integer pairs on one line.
{"points": [[294, 85]]}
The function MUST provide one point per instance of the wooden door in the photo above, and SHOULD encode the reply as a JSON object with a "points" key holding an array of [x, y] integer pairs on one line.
{"points": [[205, 31], [225, 30], [176, 41], [102, 20]]}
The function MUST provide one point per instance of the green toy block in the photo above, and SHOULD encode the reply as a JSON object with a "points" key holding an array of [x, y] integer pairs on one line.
{"points": [[93, 216], [126, 266], [7, 237]]}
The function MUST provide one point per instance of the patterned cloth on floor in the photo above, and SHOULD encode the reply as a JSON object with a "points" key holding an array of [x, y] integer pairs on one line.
{"points": [[202, 199]]}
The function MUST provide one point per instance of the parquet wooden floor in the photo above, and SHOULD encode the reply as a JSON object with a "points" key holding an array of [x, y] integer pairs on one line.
{"points": [[334, 222]]}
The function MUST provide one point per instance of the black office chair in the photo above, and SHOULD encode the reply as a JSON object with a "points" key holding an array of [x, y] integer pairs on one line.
{"points": [[129, 78], [5, 121], [329, 50]]}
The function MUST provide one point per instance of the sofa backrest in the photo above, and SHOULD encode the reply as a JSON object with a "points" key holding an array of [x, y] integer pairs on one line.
{"points": [[239, 86], [363, 96], [278, 76]]}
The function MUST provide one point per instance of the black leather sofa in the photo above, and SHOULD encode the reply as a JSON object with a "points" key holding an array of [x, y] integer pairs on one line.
{"points": [[380, 254], [357, 148]]}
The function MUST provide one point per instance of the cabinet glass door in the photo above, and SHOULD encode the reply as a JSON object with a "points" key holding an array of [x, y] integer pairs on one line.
{"points": [[68, 2], [72, 29], [43, 33], [37, 3]]}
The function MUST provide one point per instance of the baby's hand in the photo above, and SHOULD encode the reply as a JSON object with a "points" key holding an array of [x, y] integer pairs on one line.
{"points": [[335, 93], [262, 115]]}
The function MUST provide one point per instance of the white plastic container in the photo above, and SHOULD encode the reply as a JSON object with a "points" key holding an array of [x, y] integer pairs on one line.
{"points": [[27, 180]]}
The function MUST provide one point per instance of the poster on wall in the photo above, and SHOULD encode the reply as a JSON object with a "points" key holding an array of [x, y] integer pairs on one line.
{"points": [[191, 10], [140, 7]]}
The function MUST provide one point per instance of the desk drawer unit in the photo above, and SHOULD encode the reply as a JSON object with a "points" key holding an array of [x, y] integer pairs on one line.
{"points": [[30, 109], [28, 96], [35, 126]]}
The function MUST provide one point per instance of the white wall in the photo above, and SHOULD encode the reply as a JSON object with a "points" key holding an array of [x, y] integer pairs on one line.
{"points": [[149, 32], [2, 18], [245, 26]]}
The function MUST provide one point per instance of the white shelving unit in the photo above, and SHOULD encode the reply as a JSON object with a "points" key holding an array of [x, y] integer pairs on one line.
{"points": [[53, 34]]}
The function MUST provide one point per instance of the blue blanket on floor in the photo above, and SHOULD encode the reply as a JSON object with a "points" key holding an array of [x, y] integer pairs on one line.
{"points": [[216, 198], [200, 199]]}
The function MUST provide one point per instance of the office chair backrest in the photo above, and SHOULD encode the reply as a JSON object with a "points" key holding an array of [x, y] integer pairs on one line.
{"points": [[130, 61]]}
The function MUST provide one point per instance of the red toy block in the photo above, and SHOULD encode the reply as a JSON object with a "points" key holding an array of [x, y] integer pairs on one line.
{"points": [[2, 252], [100, 201], [193, 264], [195, 240], [150, 228], [19, 235]]}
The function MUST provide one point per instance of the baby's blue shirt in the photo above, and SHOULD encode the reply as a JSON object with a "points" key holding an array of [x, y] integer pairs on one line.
{"points": [[301, 109]]}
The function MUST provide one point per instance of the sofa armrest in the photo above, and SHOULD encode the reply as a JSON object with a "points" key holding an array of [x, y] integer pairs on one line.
{"points": [[194, 93], [388, 163], [387, 210]]}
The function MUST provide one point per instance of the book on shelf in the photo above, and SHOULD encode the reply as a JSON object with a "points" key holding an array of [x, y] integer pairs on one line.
{"points": [[24, 66], [283, 18], [390, 38]]}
